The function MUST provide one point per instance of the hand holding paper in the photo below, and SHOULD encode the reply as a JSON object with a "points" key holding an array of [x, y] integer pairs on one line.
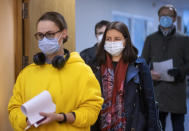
{"points": [[155, 75], [40, 103], [162, 68]]}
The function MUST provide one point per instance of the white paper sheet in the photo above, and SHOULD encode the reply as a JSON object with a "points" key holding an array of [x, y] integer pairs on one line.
{"points": [[40, 103], [162, 68]]}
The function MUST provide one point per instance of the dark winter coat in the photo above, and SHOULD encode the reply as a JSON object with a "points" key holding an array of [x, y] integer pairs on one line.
{"points": [[171, 96], [89, 54], [141, 113]]}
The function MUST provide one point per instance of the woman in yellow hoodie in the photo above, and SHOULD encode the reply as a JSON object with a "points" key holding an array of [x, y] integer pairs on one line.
{"points": [[71, 83]]}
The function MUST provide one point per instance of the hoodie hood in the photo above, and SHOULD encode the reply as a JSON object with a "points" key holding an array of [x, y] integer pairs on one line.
{"points": [[74, 58]]}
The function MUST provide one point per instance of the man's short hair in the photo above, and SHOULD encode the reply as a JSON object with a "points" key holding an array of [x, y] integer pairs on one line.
{"points": [[168, 7], [101, 24]]}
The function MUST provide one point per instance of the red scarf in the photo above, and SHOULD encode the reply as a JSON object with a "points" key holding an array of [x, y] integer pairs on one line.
{"points": [[113, 114]]}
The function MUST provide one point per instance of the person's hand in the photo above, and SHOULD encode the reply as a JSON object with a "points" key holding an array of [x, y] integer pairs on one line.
{"points": [[28, 123], [50, 117], [155, 75], [174, 72]]}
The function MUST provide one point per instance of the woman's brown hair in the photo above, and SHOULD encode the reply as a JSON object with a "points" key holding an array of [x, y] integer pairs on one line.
{"points": [[57, 18], [129, 53]]}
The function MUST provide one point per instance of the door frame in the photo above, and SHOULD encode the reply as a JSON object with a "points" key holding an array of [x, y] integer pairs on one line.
{"points": [[22, 35], [18, 36]]}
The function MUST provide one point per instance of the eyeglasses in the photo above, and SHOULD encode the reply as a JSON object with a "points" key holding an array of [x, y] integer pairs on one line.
{"points": [[48, 35]]}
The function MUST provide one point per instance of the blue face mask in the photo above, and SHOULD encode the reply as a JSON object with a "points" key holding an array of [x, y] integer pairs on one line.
{"points": [[48, 46], [166, 21]]}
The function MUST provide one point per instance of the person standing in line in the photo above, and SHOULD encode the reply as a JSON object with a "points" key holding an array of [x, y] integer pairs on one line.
{"points": [[168, 44], [126, 84], [88, 54], [71, 83]]}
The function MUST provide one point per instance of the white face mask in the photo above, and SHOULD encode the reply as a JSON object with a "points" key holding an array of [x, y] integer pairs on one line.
{"points": [[99, 38], [114, 48]]}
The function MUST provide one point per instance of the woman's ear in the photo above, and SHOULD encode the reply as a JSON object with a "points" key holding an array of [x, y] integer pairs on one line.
{"points": [[63, 37], [124, 42], [65, 33]]}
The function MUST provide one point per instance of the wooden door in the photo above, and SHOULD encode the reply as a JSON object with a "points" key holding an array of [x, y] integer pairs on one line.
{"points": [[35, 9]]}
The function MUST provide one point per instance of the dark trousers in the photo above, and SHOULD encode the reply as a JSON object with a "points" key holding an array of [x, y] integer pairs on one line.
{"points": [[176, 119]]}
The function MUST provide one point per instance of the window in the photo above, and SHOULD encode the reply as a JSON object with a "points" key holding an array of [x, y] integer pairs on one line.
{"points": [[186, 22], [139, 27]]}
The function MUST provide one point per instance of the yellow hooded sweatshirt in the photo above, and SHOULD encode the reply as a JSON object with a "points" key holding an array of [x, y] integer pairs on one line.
{"points": [[73, 88]]}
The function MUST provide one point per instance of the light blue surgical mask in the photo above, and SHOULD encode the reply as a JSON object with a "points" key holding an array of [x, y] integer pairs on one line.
{"points": [[49, 46], [166, 21]]}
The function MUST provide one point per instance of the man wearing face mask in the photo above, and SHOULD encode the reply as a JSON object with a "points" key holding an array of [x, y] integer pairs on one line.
{"points": [[166, 44], [89, 53]]}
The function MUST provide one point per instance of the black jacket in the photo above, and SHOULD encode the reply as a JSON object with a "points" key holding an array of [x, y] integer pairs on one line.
{"points": [[171, 96], [88, 55], [140, 108]]}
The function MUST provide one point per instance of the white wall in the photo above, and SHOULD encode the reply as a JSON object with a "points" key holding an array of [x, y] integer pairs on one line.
{"points": [[89, 12]]}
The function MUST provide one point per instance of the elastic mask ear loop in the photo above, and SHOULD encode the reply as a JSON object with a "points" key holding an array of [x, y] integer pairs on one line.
{"points": [[60, 36], [59, 39]]}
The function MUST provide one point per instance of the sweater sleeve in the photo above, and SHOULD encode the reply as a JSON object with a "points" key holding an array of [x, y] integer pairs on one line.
{"points": [[17, 118], [91, 101]]}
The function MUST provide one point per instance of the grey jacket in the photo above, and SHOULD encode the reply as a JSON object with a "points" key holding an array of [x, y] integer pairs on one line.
{"points": [[170, 95]]}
